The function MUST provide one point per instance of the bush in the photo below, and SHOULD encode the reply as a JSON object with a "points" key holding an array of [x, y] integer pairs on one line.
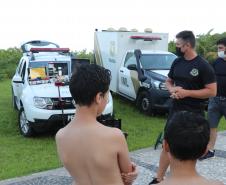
{"points": [[206, 45], [84, 55], [8, 61]]}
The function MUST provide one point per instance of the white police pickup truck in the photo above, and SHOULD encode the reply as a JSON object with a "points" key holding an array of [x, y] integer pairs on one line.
{"points": [[40, 88]]}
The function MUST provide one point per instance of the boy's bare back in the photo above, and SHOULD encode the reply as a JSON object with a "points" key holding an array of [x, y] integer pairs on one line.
{"points": [[92, 153]]}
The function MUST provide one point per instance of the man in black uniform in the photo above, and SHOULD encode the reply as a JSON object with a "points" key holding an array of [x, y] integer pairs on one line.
{"points": [[217, 105], [191, 81]]}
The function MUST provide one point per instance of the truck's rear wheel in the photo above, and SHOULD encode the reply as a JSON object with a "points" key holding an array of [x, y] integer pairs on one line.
{"points": [[144, 102], [24, 125]]}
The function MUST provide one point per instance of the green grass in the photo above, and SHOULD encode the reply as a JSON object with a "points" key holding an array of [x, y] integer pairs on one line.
{"points": [[21, 156], [142, 129]]}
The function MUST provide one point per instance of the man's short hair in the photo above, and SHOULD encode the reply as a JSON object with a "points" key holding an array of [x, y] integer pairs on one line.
{"points": [[87, 81], [222, 41], [187, 36], [187, 135]]}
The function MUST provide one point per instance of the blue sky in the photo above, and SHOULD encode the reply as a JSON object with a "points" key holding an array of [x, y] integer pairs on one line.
{"points": [[71, 23]]}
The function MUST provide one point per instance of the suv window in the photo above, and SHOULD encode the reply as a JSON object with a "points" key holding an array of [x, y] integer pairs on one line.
{"points": [[20, 66], [130, 59], [23, 71]]}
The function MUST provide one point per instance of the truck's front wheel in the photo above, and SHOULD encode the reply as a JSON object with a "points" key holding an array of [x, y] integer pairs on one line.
{"points": [[24, 125], [144, 102]]}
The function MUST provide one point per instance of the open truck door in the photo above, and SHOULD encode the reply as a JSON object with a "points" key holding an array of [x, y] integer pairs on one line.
{"points": [[128, 76]]}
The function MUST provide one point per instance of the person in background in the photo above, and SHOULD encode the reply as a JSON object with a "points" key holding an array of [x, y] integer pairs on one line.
{"points": [[217, 105]]}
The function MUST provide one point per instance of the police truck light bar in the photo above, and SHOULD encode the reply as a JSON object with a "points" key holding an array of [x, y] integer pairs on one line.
{"points": [[36, 50], [146, 38]]}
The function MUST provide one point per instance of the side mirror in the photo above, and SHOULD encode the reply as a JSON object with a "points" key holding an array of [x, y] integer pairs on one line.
{"points": [[132, 67], [17, 79]]}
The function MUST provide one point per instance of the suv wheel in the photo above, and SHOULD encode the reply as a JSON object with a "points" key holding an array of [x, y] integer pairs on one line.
{"points": [[144, 102], [14, 101], [24, 125]]}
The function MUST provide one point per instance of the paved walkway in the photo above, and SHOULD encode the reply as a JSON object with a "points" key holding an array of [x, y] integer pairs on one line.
{"points": [[147, 161]]}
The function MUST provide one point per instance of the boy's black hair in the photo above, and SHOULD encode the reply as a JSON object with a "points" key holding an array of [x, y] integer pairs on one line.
{"points": [[187, 36], [187, 135], [222, 41], [87, 81]]}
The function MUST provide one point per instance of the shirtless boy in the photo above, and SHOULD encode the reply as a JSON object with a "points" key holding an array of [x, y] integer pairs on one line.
{"points": [[186, 139], [93, 153]]}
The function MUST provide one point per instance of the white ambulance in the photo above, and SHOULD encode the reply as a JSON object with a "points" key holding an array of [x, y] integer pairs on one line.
{"points": [[139, 63]]}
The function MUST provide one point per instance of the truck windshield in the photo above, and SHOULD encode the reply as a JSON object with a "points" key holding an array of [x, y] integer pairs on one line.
{"points": [[157, 61]]}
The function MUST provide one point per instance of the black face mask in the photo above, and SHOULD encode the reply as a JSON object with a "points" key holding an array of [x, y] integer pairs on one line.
{"points": [[179, 53]]}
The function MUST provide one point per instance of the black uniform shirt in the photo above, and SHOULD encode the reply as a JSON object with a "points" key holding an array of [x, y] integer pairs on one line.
{"points": [[220, 70], [191, 75]]}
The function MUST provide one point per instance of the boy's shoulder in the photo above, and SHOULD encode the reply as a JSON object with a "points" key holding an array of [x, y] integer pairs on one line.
{"points": [[59, 135], [112, 135], [113, 132], [62, 135]]}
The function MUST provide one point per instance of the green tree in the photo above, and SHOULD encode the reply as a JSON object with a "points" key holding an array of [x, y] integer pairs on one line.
{"points": [[172, 46], [84, 55], [8, 61], [206, 45]]}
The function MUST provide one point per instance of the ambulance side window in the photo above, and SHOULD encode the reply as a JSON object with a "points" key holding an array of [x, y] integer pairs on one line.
{"points": [[130, 59]]}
